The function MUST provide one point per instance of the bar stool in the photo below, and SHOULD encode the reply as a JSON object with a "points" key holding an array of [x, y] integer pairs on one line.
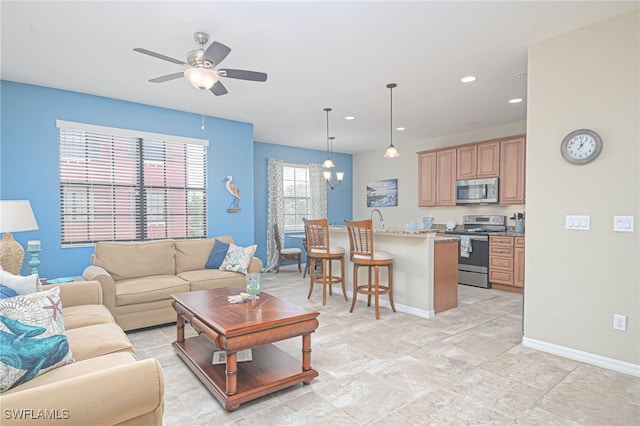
{"points": [[319, 249], [362, 253]]}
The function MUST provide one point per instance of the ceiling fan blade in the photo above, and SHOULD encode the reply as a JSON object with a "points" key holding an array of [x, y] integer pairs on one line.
{"points": [[216, 53], [167, 77], [159, 56], [243, 74], [218, 89]]}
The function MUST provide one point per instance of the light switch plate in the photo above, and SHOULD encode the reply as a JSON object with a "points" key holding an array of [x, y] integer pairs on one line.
{"points": [[578, 222], [623, 223]]}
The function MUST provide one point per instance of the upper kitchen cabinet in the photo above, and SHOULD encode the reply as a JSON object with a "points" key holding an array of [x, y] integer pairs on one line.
{"points": [[512, 164], [436, 178], [427, 178], [478, 161]]}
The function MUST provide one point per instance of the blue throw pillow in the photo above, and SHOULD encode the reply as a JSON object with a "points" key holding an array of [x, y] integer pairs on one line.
{"points": [[218, 253], [6, 292]]}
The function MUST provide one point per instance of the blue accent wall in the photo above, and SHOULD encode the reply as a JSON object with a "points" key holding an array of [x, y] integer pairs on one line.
{"points": [[29, 162], [339, 201]]}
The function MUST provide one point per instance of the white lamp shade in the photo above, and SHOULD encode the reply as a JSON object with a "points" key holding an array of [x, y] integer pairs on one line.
{"points": [[327, 175], [201, 78], [328, 163], [16, 216], [391, 152], [340, 176]]}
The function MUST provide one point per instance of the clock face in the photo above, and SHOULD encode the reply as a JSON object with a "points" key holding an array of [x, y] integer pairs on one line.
{"points": [[581, 146]]}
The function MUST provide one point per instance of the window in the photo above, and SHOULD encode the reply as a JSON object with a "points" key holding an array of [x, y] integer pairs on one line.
{"points": [[121, 185], [296, 196]]}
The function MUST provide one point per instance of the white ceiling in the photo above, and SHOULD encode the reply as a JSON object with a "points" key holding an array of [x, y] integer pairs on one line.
{"points": [[317, 54]]}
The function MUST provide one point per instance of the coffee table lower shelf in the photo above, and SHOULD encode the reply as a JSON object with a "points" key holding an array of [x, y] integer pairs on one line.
{"points": [[270, 370]]}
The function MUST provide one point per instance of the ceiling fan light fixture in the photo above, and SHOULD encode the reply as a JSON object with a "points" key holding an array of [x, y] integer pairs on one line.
{"points": [[201, 78]]}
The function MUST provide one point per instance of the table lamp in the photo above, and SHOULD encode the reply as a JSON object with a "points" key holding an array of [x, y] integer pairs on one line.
{"points": [[15, 216]]}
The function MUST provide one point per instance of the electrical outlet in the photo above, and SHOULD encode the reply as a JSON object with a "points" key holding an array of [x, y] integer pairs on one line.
{"points": [[619, 322]]}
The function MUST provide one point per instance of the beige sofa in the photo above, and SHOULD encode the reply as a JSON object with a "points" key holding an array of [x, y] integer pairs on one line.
{"points": [[139, 278], [107, 385]]}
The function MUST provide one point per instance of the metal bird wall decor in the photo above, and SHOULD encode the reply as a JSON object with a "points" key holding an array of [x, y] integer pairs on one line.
{"points": [[234, 207]]}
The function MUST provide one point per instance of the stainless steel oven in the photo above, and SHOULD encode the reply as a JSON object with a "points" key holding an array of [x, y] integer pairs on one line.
{"points": [[473, 258]]}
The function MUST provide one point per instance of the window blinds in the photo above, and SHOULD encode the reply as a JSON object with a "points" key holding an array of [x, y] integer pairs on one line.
{"points": [[118, 187]]}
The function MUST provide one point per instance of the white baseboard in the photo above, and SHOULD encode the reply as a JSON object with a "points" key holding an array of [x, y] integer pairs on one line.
{"points": [[586, 357], [399, 307]]}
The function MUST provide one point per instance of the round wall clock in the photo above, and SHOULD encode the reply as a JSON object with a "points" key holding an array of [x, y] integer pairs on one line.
{"points": [[581, 146]]}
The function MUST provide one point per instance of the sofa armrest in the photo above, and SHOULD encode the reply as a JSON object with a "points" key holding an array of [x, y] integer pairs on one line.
{"points": [[77, 293], [106, 397], [105, 279], [255, 265]]}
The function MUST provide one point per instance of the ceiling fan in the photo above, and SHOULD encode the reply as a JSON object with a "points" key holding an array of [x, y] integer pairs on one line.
{"points": [[200, 65]]}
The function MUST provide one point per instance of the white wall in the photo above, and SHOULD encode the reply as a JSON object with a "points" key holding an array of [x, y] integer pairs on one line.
{"points": [[577, 280], [372, 166]]}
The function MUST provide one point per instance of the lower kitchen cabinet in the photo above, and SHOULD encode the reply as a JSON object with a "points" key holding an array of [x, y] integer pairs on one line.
{"points": [[506, 262]]}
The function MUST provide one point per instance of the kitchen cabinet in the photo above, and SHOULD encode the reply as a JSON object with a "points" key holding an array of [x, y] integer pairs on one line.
{"points": [[445, 275], [512, 170], [518, 262], [427, 172], [436, 178], [506, 261], [478, 161], [501, 259]]}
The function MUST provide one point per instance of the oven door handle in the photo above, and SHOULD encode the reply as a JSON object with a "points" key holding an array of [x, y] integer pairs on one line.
{"points": [[471, 237]]}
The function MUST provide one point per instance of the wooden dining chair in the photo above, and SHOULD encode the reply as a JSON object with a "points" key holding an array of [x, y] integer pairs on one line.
{"points": [[319, 250], [292, 254], [362, 253]]}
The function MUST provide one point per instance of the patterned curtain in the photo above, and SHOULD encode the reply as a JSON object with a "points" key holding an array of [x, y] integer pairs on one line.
{"points": [[275, 212], [318, 188]]}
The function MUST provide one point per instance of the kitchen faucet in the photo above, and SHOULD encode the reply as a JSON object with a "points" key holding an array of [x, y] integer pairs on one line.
{"points": [[379, 215]]}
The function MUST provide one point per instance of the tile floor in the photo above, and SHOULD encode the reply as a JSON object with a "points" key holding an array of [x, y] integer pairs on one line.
{"points": [[464, 367]]}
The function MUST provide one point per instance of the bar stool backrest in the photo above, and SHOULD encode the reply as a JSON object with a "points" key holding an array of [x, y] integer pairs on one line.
{"points": [[317, 232], [360, 238]]}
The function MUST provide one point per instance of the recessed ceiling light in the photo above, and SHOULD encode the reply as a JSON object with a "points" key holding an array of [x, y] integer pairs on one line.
{"points": [[349, 117], [400, 128], [515, 101], [468, 79]]}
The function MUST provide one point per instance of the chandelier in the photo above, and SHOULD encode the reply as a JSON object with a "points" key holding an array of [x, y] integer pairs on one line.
{"points": [[328, 163]]}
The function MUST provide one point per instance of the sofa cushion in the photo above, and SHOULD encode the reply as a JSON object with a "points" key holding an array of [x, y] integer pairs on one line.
{"points": [[77, 369], [137, 259], [206, 279], [192, 254], [21, 285], [238, 258], [32, 337], [84, 315], [218, 253], [149, 289], [96, 340]]}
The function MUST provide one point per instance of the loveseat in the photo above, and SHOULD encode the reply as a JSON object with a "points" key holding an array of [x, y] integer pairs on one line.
{"points": [[106, 385], [138, 278]]}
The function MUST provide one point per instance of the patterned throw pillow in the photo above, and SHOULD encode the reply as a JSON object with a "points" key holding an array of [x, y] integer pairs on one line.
{"points": [[32, 337], [238, 258], [22, 285]]}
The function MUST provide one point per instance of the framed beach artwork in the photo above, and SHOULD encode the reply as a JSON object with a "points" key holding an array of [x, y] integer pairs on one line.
{"points": [[382, 193]]}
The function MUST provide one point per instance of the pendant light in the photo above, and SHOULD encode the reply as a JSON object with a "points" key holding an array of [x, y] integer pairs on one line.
{"points": [[391, 152], [328, 163]]}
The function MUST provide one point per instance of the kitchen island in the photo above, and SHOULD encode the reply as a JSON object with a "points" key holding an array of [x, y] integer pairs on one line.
{"points": [[424, 269]]}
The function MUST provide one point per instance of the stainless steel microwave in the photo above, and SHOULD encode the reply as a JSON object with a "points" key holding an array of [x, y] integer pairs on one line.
{"points": [[476, 191]]}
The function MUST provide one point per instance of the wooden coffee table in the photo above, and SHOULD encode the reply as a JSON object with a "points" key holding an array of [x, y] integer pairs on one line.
{"points": [[233, 327]]}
